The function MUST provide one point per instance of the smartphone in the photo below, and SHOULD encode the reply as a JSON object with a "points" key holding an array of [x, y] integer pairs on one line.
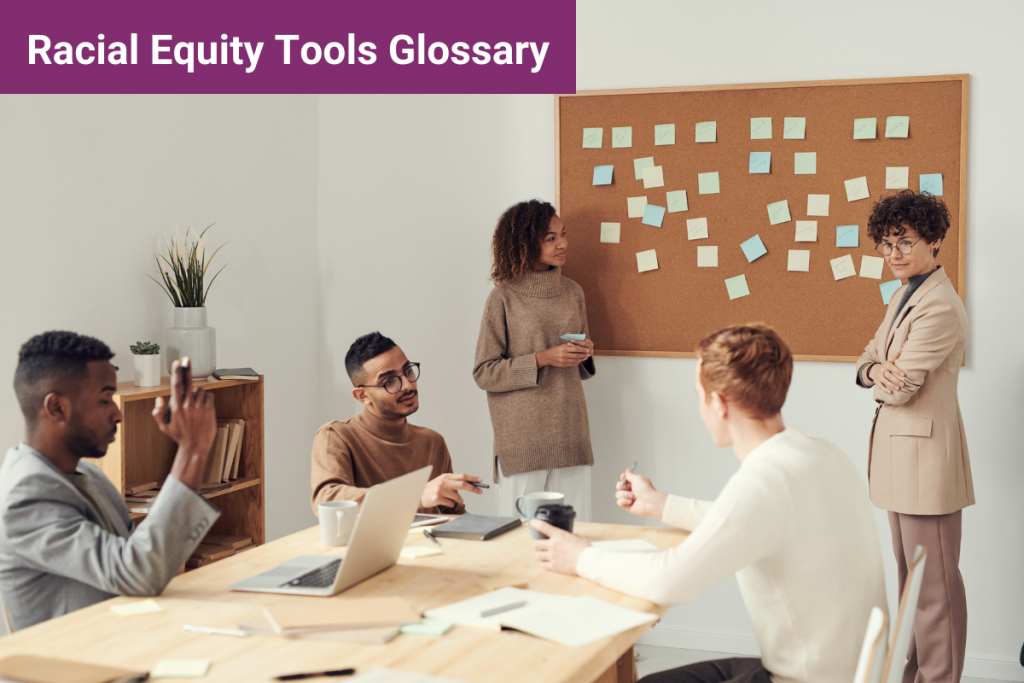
{"points": [[427, 520], [183, 376]]}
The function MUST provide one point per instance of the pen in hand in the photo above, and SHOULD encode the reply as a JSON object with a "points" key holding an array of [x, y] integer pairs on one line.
{"points": [[622, 484]]}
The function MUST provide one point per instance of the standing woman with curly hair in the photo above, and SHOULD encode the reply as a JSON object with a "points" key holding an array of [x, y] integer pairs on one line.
{"points": [[532, 378], [918, 467]]}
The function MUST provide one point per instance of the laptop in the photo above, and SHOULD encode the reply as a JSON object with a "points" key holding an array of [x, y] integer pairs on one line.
{"points": [[377, 539]]}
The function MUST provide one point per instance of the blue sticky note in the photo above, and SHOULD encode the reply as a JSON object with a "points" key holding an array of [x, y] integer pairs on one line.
{"points": [[753, 248], [603, 175], [847, 236], [888, 289], [932, 183], [653, 215], [573, 337], [760, 162]]}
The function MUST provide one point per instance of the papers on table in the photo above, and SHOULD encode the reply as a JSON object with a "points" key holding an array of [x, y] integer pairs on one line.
{"points": [[646, 260], [434, 628], [396, 676], [180, 668]]}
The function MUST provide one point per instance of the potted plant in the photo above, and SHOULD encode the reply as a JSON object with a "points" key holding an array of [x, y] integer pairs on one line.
{"points": [[147, 363], [182, 273]]}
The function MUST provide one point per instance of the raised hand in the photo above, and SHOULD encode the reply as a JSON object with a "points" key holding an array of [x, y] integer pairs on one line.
{"points": [[637, 494], [192, 424]]}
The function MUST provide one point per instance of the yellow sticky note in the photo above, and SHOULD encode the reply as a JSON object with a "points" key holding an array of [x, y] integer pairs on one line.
{"points": [[737, 287], [817, 205], [707, 183], [807, 231], [843, 267], [761, 128], [418, 551], [897, 126], [707, 257], [622, 137], [864, 129], [653, 177], [137, 607], [636, 206], [897, 177], [677, 201], [646, 260], [857, 188], [180, 668], [707, 131], [665, 134], [871, 267], [610, 232], [593, 138], [794, 128], [697, 229], [799, 260], [778, 212]]}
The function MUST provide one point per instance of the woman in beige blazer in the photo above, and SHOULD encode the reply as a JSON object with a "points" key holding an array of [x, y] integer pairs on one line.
{"points": [[918, 467]]}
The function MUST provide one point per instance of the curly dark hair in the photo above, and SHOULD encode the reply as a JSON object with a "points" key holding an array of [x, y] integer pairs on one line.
{"points": [[517, 239], [363, 349], [891, 216]]}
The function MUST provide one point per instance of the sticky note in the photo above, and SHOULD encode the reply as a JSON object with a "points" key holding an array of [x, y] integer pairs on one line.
{"points": [[707, 131], [427, 627], [636, 206], [807, 231], [603, 175], [677, 201], [857, 188], [778, 212], [665, 134], [805, 163], [653, 177], [653, 215], [640, 164], [622, 137], [897, 126], [646, 260], [593, 138], [932, 183], [761, 129], [610, 232], [180, 668], [760, 162], [794, 128], [897, 177], [753, 248], [707, 183], [707, 257], [418, 551], [847, 236], [864, 129], [737, 287], [817, 205], [697, 229], [137, 607], [842, 267], [871, 266], [573, 337], [799, 260], [888, 289]]}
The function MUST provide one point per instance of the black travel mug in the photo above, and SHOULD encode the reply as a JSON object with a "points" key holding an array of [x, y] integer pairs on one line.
{"points": [[560, 516]]}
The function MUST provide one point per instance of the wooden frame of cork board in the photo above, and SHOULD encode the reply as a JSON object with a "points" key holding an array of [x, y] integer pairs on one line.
{"points": [[665, 312]]}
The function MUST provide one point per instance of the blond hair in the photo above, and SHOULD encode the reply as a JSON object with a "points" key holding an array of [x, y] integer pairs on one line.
{"points": [[748, 364]]}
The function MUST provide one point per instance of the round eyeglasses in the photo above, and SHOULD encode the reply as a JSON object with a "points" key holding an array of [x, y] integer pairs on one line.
{"points": [[393, 384], [904, 246]]}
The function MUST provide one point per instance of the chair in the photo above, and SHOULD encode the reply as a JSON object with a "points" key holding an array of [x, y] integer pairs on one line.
{"points": [[896, 660], [874, 650]]}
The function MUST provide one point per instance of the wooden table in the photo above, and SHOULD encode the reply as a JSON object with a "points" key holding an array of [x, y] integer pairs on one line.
{"points": [[201, 597]]}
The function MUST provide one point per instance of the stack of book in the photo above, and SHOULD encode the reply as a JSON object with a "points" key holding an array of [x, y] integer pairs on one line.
{"points": [[216, 547], [139, 496], [225, 455], [365, 620]]}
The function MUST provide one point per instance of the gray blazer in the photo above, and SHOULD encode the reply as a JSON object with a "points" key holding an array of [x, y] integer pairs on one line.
{"points": [[57, 557]]}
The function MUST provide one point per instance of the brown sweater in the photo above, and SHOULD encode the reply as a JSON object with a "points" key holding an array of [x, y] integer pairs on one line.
{"points": [[539, 416], [352, 455]]}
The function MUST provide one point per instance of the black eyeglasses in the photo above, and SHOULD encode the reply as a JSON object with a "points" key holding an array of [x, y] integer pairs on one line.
{"points": [[905, 247], [393, 384]]}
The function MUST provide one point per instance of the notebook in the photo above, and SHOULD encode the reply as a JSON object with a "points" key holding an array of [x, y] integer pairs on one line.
{"points": [[33, 669], [351, 613], [259, 625], [476, 527], [236, 373]]}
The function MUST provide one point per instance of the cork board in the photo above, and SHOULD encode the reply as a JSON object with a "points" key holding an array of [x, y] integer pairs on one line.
{"points": [[665, 312]]}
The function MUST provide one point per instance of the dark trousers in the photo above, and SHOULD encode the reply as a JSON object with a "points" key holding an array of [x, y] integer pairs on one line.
{"points": [[736, 670]]}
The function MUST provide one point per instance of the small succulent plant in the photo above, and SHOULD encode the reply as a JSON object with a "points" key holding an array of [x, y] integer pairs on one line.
{"points": [[145, 348]]}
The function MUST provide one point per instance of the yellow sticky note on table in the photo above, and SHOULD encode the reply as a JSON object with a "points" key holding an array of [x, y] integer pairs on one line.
{"points": [[843, 267], [857, 188], [864, 129], [707, 183], [778, 212], [418, 551], [871, 267], [807, 231], [794, 128], [610, 232], [897, 177], [665, 134], [707, 131], [737, 287], [897, 126], [593, 138], [646, 260], [636, 206], [707, 257], [622, 137], [697, 229], [138, 607], [799, 260], [817, 205], [653, 177], [761, 128], [180, 668]]}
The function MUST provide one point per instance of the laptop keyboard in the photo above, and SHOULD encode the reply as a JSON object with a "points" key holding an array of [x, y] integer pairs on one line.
{"points": [[322, 577]]}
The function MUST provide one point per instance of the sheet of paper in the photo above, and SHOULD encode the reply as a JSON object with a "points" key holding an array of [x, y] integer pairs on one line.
{"points": [[434, 628], [417, 551], [805, 163], [778, 212], [603, 175], [864, 129], [857, 188], [636, 206], [897, 126], [707, 131], [677, 201], [843, 267], [888, 289], [794, 128], [467, 612], [665, 134], [622, 137], [707, 257], [806, 231], [631, 545], [760, 162], [180, 668], [697, 229], [799, 260], [396, 676], [897, 177], [737, 287], [610, 232], [138, 607], [646, 260], [707, 183], [593, 138], [653, 177], [761, 128], [817, 205], [871, 266], [654, 215], [932, 183], [587, 621], [640, 164], [753, 248], [847, 236]]}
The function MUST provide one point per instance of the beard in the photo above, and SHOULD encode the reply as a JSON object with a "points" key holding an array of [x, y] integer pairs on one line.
{"points": [[81, 443], [396, 411]]}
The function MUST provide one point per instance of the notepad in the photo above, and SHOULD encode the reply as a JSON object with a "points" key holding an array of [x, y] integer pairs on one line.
{"points": [[344, 613], [138, 607], [476, 527], [428, 627], [180, 668], [417, 551]]}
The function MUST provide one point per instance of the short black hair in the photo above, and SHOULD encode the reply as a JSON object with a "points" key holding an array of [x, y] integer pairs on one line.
{"points": [[363, 349], [53, 360]]}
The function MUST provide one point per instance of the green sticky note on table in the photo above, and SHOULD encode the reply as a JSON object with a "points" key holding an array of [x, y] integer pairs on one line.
{"points": [[677, 201], [593, 138], [640, 164], [707, 183], [761, 128], [737, 287], [707, 131], [794, 128], [864, 129], [778, 212], [603, 175], [847, 236], [665, 134], [897, 126], [932, 184], [427, 627], [622, 137], [180, 668], [888, 289], [805, 163]]}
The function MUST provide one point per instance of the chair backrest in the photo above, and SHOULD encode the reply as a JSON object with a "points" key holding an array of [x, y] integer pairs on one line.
{"points": [[904, 624], [874, 650]]}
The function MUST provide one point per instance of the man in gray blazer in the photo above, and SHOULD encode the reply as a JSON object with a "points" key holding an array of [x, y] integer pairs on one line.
{"points": [[66, 538]]}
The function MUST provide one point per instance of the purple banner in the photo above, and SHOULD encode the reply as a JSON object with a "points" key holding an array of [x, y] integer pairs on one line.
{"points": [[315, 46]]}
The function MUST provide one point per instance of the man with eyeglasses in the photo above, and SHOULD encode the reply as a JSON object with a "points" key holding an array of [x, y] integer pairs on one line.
{"points": [[379, 444]]}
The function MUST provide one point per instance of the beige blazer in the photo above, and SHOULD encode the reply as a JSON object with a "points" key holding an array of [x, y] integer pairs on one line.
{"points": [[917, 458]]}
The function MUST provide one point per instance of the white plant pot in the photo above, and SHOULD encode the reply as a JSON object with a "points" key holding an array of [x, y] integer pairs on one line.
{"points": [[147, 370], [191, 337]]}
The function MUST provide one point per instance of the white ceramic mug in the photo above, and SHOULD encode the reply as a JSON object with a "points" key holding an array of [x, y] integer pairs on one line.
{"points": [[532, 501], [337, 517]]}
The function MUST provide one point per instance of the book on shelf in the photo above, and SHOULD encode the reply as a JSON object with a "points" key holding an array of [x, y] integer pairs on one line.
{"points": [[139, 509], [233, 451], [227, 540], [215, 463], [140, 486], [143, 497], [236, 373], [212, 552]]}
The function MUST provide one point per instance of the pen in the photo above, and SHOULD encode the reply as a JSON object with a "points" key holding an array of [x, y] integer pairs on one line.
{"points": [[622, 480], [479, 486], [209, 630], [433, 539], [316, 674], [504, 608], [633, 466]]}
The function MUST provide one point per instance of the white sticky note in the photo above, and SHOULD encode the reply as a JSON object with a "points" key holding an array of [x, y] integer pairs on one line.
{"points": [[807, 231], [593, 138], [697, 229], [761, 128], [677, 201], [610, 232], [646, 260], [180, 668], [857, 188], [799, 260], [622, 137], [418, 551], [843, 267], [138, 607], [817, 205], [707, 183], [897, 177], [707, 257], [636, 206], [665, 134], [778, 212], [864, 129], [706, 131], [653, 177], [794, 128], [871, 266], [640, 164]]}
